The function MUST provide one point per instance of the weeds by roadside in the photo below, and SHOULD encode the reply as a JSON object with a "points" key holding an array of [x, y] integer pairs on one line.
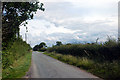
{"points": [[16, 59], [19, 68], [101, 59], [106, 70]]}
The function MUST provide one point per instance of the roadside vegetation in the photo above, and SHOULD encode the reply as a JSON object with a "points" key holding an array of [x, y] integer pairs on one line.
{"points": [[101, 59], [41, 47], [0, 69], [13, 52], [16, 53], [18, 62]]}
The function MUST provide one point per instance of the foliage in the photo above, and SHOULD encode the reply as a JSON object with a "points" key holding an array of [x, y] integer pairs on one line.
{"points": [[58, 43], [19, 68], [103, 51], [101, 59], [42, 44], [41, 47], [18, 49], [106, 70], [13, 15]]}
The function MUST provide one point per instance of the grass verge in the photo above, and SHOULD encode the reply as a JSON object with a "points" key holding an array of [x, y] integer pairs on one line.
{"points": [[19, 68], [105, 70], [0, 70]]}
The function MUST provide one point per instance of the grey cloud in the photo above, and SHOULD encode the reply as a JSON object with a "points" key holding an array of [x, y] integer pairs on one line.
{"points": [[71, 17]]}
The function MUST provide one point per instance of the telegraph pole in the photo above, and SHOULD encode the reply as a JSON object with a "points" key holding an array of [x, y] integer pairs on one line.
{"points": [[26, 34]]}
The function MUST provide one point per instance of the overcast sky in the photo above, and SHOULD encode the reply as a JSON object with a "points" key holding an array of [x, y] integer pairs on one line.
{"points": [[73, 21]]}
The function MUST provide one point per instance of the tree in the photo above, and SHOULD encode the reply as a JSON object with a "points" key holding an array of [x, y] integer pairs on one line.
{"points": [[68, 44], [58, 43], [14, 14], [42, 45], [35, 48]]}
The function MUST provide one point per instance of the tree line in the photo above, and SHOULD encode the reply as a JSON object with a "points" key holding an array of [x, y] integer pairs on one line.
{"points": [[43, 47]]}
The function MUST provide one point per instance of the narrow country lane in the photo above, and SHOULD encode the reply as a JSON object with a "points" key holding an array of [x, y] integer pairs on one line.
{"points": [[46, 67]]}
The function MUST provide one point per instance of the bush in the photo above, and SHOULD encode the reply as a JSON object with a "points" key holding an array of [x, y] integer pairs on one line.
{"points": [[42, 49], [101, 59], [106, 70], [106, 51], [13, 52]]}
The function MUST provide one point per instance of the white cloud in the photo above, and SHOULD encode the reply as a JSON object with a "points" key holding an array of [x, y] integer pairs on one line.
{"points": [[73, 21]]}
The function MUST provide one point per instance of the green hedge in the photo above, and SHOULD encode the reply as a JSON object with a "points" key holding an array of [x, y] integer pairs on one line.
{"points": [[104, 51]]}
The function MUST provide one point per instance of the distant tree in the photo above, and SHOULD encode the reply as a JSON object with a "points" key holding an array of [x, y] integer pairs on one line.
{"points": [[58, 43], [40, 46], [35, 48], [68, 44], [119, 40]]}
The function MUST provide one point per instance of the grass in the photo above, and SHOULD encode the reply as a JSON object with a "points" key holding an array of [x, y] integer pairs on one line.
{"points": [[101, 59], [16, 59], [39, 51], [19, 68], [13, 52], [0, 70], [102, 51], [0, 65], [106, 70]]}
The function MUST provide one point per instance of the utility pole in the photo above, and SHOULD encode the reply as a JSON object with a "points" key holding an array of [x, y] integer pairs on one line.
{"points": [[26, 34]]}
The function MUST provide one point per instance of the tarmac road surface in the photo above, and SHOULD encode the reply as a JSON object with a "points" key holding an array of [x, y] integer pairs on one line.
{"points": [[44, 66]]}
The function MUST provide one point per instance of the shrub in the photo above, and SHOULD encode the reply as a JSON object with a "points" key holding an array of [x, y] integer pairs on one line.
{"points": [[14, 52], [42, 49], [106, 51]]}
